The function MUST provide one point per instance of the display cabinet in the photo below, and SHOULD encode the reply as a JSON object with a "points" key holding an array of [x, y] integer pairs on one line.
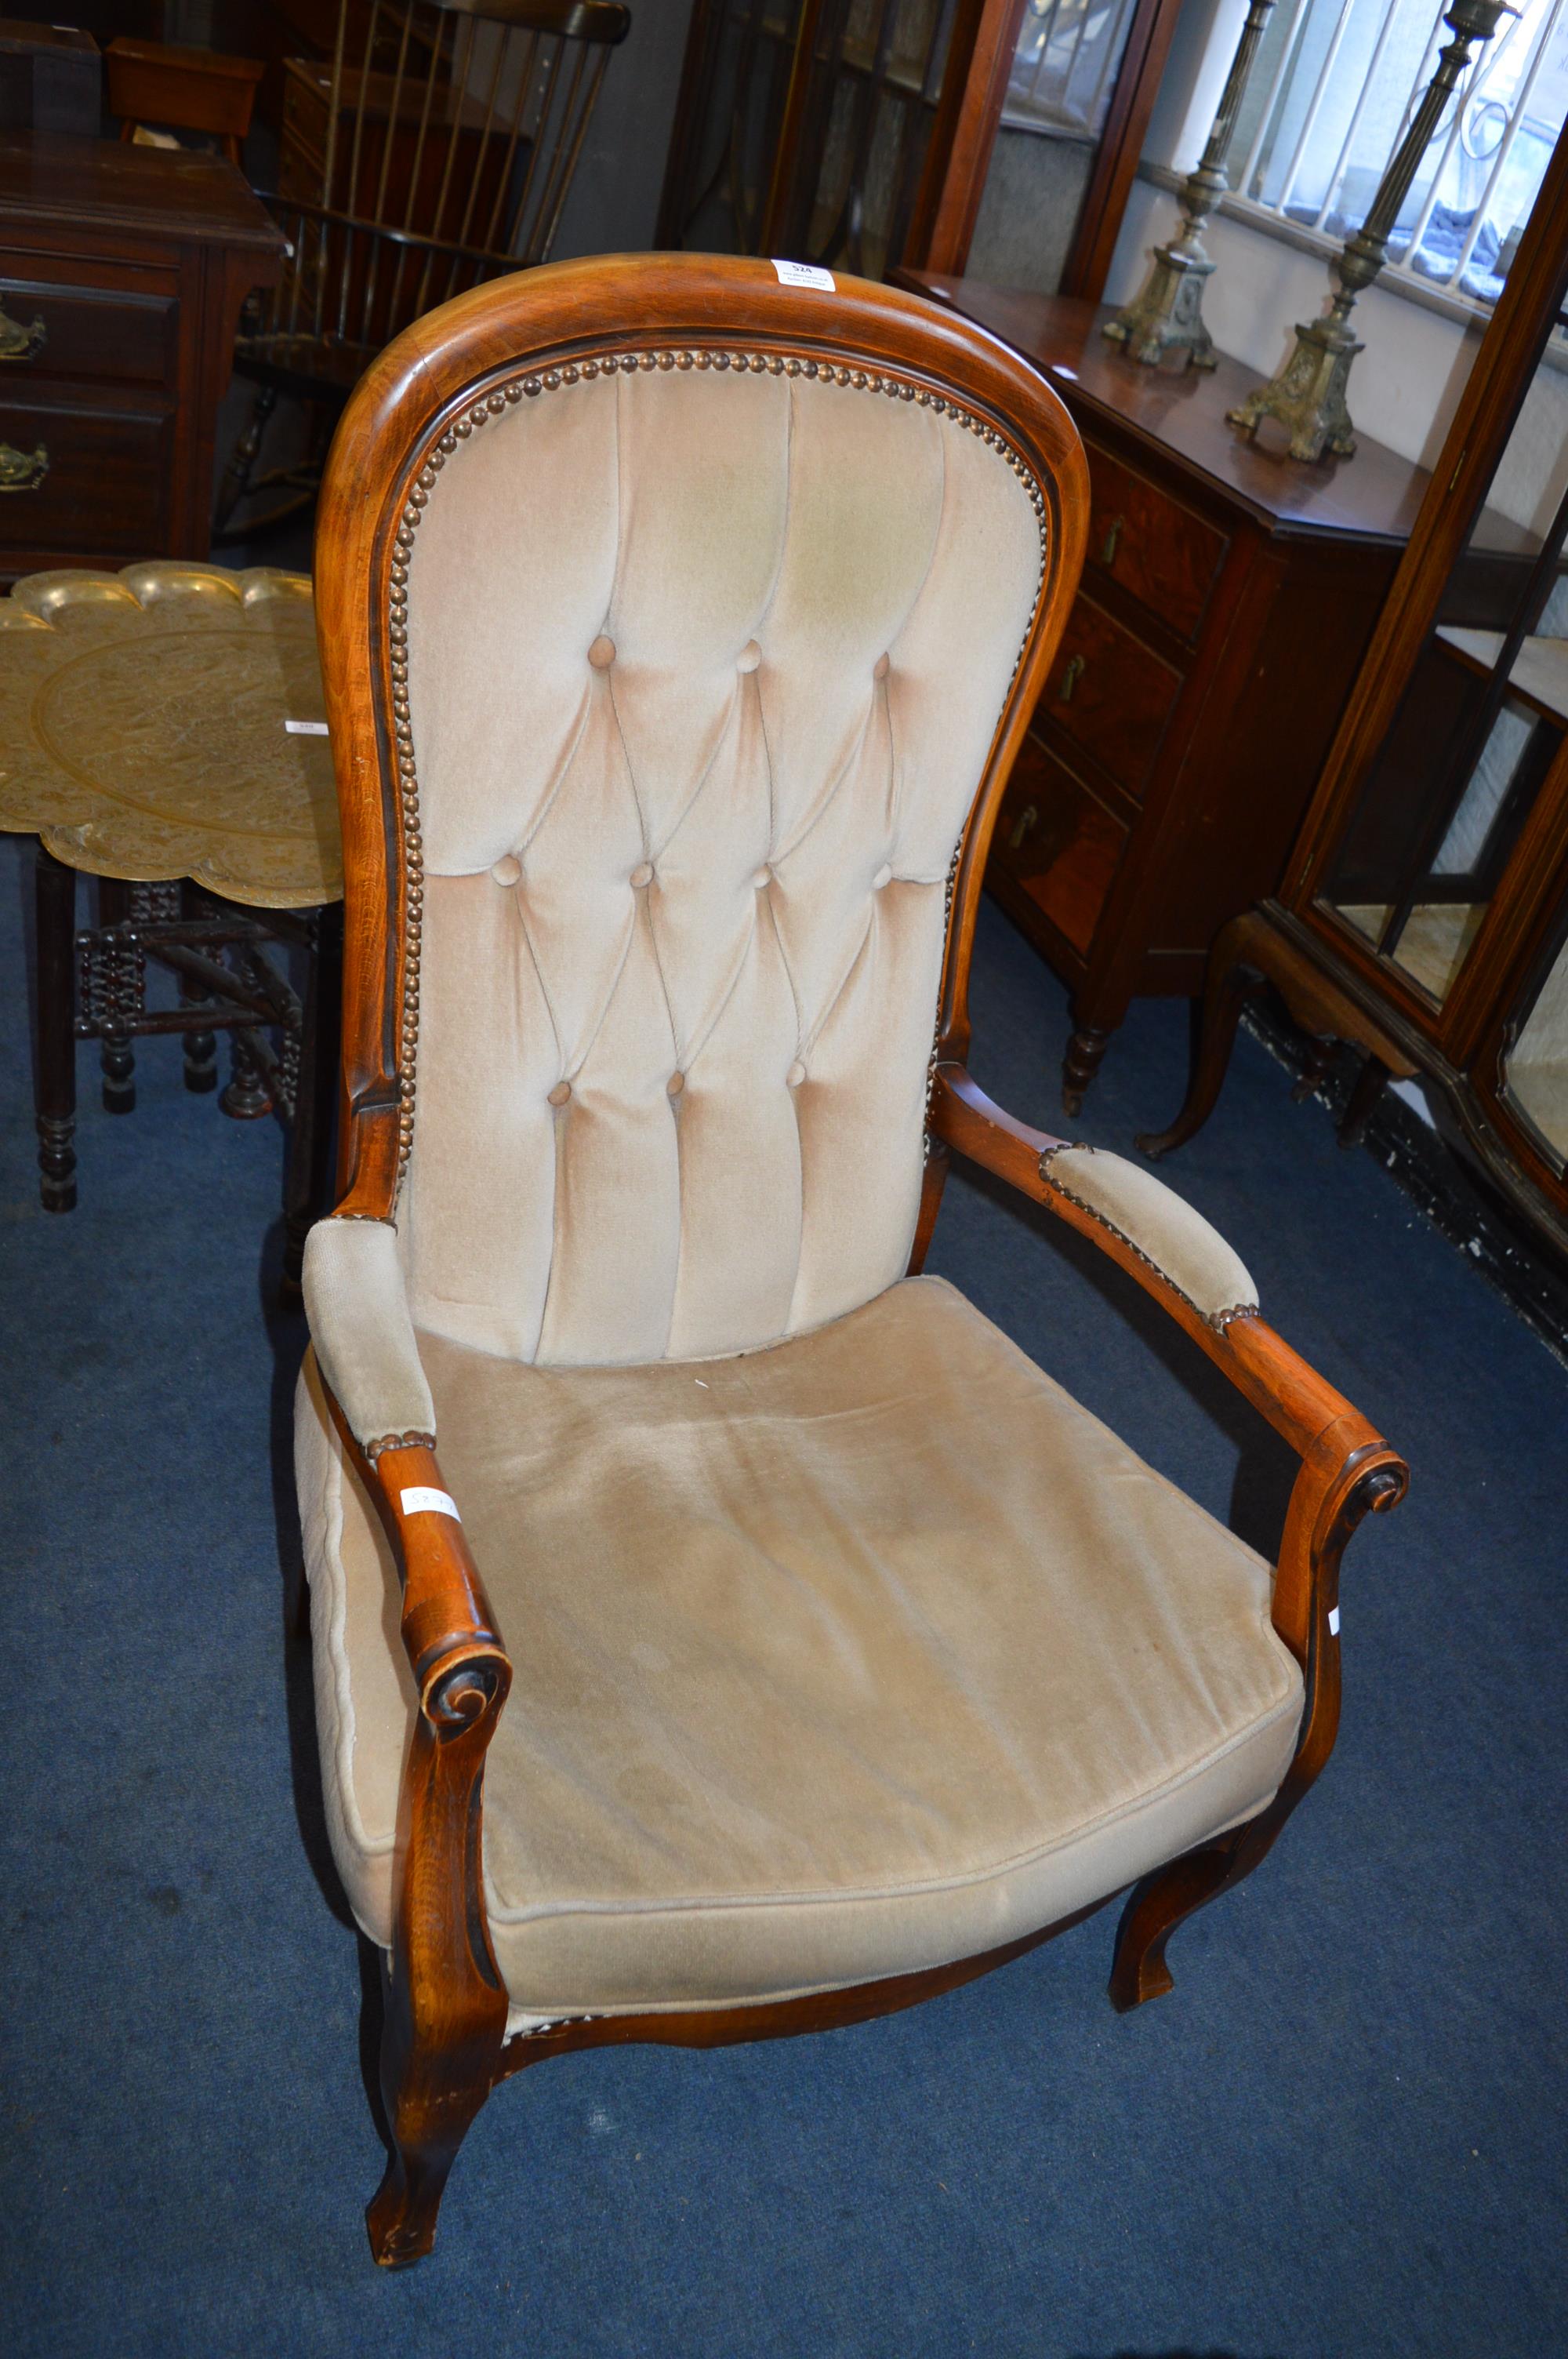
{"points": [[1424, 916]]}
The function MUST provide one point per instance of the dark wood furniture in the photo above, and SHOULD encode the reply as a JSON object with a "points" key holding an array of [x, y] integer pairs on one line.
{"points": [[433, 150], [1227, 602], [178, 88], [443, 2044], [1423, 914], [122, 275], [51, 79], [862, 140]]}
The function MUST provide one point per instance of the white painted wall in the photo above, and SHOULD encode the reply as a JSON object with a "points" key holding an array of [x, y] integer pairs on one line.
{"points": [[1403, 388]]}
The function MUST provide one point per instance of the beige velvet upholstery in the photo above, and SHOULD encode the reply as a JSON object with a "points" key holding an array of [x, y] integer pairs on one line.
{"points": [[1156, 1222], [358, 1308], [704, 668], [859, 1654]]}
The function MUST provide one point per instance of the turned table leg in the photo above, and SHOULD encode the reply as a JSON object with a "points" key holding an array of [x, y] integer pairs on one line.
{"points": [[1086, 1052], [200, 1048], [54, 1066], [308, 1178], [116, 1057]]}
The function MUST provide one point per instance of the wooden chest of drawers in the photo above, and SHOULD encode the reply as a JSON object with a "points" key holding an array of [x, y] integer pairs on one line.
{"points": [[1227, 599], [121, 274]]}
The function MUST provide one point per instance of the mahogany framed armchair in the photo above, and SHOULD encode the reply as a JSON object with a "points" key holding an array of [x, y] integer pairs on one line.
{"points": [[814, 1652]]}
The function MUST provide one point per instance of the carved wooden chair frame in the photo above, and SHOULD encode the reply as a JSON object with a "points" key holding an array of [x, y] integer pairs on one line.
{"points": [[444, 2045]]}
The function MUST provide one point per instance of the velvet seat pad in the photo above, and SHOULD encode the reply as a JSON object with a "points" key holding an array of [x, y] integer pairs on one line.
{"points": [[860, 1654]]}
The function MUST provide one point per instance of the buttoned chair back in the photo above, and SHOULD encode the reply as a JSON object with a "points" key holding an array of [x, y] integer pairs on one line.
{"points": [[698, 656]]}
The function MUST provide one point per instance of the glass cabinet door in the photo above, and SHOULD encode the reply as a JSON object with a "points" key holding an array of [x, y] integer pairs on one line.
{"points": [[1534, 1066], [1482, 723]]}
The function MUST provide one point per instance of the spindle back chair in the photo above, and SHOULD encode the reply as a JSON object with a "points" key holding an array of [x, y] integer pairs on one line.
{"points": [[453, 129]]}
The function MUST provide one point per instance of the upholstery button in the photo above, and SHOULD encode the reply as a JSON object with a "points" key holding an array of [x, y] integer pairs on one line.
{"points": [[881, 668], [750, 657], [642, 874], [675, 1083], [601, 654], [765, 876], [560, 1093], [507, 869], [796, 1075], [883, 876]]}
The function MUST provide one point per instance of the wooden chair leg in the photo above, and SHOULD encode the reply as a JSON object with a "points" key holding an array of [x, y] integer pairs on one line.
{"points": [[1157, 1906], [236, 483], [1324, 1513], [445, 2002], [1227, 986], [431, 2105]]}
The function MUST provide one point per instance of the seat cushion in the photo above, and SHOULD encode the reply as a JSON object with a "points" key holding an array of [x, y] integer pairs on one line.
{"points": [[860, 1654]]}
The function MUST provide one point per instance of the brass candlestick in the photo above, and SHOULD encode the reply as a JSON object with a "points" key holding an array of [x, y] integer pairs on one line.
{"points": [[1308, 395], [1167, 316]]}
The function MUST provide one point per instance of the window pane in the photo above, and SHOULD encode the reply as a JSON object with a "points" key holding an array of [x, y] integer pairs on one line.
{"points": [[1065, 65], [1335, 88]]}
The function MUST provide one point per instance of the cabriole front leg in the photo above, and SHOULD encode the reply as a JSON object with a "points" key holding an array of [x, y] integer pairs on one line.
{"points": [[446, 2003], [1323, 1516]]}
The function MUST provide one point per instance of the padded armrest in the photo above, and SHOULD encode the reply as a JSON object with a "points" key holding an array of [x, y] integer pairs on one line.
{"points": [[358, 1310], [1161, 1228]]}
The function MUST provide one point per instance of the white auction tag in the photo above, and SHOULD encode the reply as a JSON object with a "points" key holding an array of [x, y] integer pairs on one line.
{"points": [[306, 728], [1334, 1621], [804, 274], [421, 1501]]}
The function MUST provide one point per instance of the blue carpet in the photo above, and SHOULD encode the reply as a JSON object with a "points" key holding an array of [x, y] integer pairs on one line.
{"points": [[1341, 2134]]}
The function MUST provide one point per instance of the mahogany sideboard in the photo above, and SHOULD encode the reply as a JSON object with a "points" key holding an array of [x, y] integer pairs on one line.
{"points": [[1227, 599], [121, 274]]}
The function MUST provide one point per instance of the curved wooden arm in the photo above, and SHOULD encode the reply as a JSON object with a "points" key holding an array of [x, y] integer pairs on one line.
{"points": [[449, 1627], [1297, 1402], [455, 1650], [1347, 1470]]}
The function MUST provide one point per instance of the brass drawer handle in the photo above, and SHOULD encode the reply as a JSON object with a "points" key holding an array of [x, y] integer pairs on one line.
{"points": [[20, 473], [1070, 680], [1112, 540], [20, 343], [1028, 817]]}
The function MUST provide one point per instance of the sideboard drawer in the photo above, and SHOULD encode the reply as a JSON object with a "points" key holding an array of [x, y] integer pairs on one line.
{"points": [[1057, 843], [1160, 553], [1110, 694], [50, 330], [99, 489]]}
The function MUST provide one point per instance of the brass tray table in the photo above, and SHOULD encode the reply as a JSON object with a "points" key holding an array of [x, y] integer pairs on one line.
{"points": [[161, 729]]}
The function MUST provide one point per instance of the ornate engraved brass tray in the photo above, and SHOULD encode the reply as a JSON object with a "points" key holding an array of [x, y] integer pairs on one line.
{"points": [[142, 729]]}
